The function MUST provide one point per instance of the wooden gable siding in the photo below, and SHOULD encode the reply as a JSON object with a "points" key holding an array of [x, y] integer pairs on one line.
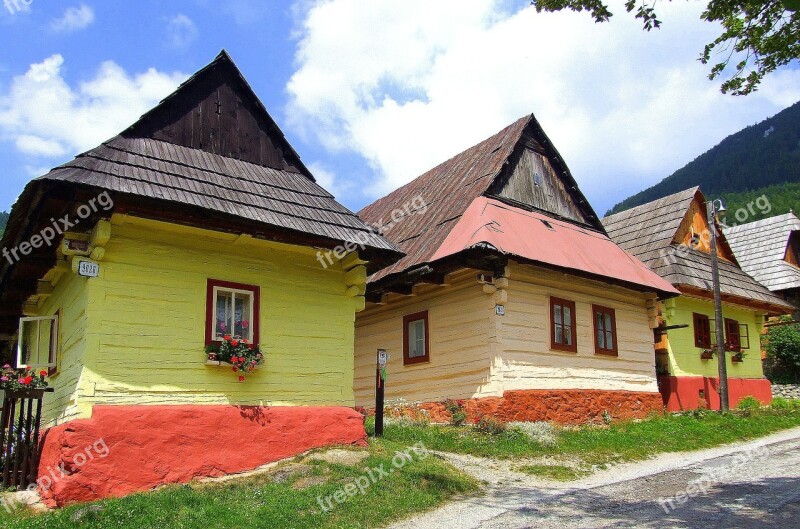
{"points": [[217, 113], [550, 195], [695, 224]]}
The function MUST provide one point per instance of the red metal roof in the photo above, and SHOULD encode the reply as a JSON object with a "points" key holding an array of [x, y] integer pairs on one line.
{"points": [[543, 239]]}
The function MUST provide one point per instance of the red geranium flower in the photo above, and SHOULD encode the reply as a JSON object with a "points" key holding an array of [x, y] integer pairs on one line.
{"points": [[244, 340], [235, 343], [227, 337], [241, 378], [235, 369], [42, 373], [27, 380]]}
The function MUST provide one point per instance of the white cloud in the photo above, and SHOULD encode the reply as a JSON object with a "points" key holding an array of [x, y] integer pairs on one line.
{"points": [[45, 117], [624, 107], [181, 31], [73, 19]]}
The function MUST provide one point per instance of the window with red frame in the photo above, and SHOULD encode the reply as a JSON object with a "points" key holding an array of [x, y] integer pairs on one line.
{"points": [[733, 340], [702, 331], [605, 330], [232, 309], [562, 325], [416, 344]]}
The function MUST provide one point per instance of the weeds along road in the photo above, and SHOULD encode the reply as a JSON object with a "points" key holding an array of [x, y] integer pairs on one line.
{"points": [[754, 484]]}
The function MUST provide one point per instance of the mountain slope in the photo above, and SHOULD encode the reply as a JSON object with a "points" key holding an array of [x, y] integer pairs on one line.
{"points": [[3, 222], [756, 157]]}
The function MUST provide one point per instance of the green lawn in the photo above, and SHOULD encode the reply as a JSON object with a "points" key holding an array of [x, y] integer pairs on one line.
{"points": [[279, 500], [288, 497], [581, 448]]}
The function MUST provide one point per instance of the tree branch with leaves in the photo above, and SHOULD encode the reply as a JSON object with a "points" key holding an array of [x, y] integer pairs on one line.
{"points": [[758, 36]]}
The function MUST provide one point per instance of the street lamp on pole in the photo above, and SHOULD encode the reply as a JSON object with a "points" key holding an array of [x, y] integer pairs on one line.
{"points": [[715, 209]]}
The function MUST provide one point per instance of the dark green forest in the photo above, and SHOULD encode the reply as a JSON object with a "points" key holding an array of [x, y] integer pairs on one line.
{"points": [[756, 159], [3, 222]]}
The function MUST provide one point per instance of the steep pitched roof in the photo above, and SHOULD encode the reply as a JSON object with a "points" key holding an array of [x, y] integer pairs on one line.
{"points": [[650, 232], [760, 248], [209, 155], [449, 188], [460, 208], [212, 145]]}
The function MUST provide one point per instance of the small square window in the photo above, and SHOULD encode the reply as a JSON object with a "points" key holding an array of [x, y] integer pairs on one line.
{"points": [[232, 309], [415, 338]]}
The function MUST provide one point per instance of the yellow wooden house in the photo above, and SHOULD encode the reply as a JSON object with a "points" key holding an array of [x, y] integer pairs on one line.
{"points": [[197, 225], [671, 235], [511, 297]]}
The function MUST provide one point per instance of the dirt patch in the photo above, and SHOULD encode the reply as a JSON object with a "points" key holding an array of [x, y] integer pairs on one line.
{"points": [[338, 456]]}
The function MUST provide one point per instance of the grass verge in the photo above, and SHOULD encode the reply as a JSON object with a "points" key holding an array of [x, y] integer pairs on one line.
{"points": [[582, 449], [288, 499]]}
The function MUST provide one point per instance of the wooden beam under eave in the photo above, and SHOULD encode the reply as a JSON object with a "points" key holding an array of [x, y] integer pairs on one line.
{"points": [[44, 289]]}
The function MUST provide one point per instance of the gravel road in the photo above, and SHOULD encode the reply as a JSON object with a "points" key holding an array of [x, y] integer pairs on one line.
{"points": [[742, 486]]}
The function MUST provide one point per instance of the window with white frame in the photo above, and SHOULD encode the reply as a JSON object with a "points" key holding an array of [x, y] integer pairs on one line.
{"points": [[232, 311], [37, 346]]}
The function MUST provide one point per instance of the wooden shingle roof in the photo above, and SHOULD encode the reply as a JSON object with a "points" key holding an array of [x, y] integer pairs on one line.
{"points": [[449, 188], [650, 232], [211, 145], [760, 248], [466, 213]]}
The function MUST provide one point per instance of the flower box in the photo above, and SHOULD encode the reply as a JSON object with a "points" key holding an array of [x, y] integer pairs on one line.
{"points": [[708, 354], [220, 363], [27, 393], [737, 358]]}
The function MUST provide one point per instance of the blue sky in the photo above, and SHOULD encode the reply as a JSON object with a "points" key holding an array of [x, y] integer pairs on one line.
{"points": [[371, 94]]}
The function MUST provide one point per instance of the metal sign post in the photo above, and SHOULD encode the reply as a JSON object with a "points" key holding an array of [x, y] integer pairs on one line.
{"points": [[380, 385]]}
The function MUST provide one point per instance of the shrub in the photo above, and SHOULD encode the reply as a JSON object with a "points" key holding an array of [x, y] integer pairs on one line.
{"points": [[490, 426], [782, 343], [779, 403], [457, 412], [542, 433], [749, 403]]}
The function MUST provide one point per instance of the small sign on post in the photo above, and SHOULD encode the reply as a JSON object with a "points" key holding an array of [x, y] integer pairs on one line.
{"points": [[380, 384]]}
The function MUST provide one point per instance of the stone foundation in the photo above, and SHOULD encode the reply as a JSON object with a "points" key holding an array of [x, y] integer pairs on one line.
{"points": [[125, 449], [786, 391], [566, 406]]}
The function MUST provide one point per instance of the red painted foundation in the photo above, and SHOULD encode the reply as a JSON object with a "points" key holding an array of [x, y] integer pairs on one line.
{"points": [[125, 449], [690, 393], [567, 406]]}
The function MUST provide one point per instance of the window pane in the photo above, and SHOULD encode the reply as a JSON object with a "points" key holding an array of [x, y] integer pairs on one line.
{"points": [[567, 316], [608, 323], [567, 335], [557, 314], [242, 317], [559, 334], [609, 340], [416, 339], [598, 321], [601, 340], [224, 314]]}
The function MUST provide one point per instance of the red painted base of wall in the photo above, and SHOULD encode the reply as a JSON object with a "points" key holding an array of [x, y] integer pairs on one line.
{"points": [[684, 393], [125, 449], [566, 406]]}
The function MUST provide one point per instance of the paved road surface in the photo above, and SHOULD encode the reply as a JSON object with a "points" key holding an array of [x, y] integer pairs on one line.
{"points": [[755, 484]]}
